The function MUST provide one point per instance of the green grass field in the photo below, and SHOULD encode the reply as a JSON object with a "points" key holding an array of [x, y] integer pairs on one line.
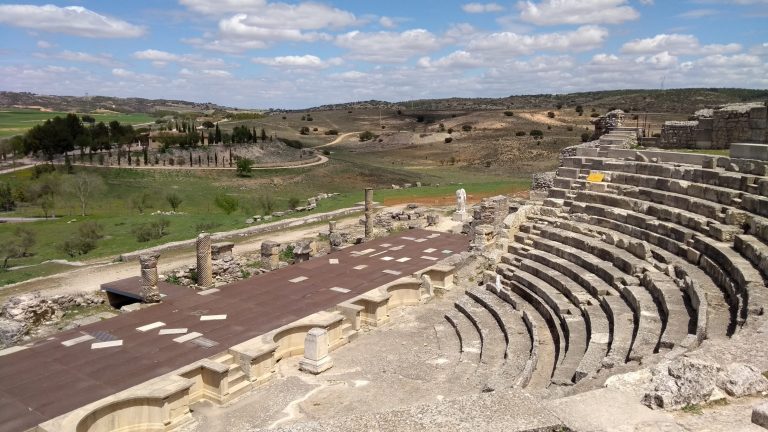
{"points": [[16, 122]]}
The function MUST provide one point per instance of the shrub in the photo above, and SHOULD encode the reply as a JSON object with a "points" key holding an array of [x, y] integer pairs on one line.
{"points": [[448, 140], [551, 114], [152, 230], [466, 128], [509, 113], [367, 136], [314, 129], [7, 202], [536, 133], [520, 133], [570, 128], [420, 118], [206, 226], [326, 152], [174, 200], [594, 115], [293, 202], [267, 203], [585, 136], [88, 234], [332, 132], [450, 131], [549, 127], [287, 254], [292, 143], [244, 167], [227, 203], [304, 130]]}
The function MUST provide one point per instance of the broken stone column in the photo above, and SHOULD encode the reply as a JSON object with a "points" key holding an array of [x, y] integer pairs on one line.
{"points": [[461, 206], [204, 266], [304, 250], [270, 254], [316, 358], [331, 227], [336, 241], [368, 213], [149, 292], [426, 285]]}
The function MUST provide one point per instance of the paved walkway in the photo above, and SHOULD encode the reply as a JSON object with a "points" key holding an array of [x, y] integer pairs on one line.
{"points": [[68, 371]]}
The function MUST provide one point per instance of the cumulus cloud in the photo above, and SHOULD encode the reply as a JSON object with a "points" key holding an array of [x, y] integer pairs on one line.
{"points": [[388, 47], [508, 43], [698, 13], [161, 58], [677, 44], [554, 12], [81, 57], [456, 59], [476, 8], [73, 20], [387, 22], [298, 62]]}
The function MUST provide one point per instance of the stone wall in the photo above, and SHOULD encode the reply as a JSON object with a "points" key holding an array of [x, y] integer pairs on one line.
{"points": [[718, 128]]}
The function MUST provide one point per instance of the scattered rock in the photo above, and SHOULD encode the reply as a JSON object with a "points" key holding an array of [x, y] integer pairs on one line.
{"points": [[739, 379], [681, 382]]}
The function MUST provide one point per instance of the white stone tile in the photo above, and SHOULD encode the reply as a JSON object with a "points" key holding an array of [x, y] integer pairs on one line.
{"points": [[360, 267], [152, 326], [387, 258], [363, 252], [403, 259], [298, 279], [433, 235], [447, 251], [429, 258], [208, 291], [340, 290], [396, 248], [392, 272], [430, 250], [187, 337], [333, 260], [77, 340], [172, 331], [407, 238], [378, 253], [421, 240], [386, 244], [107, 344], [213, 317]]}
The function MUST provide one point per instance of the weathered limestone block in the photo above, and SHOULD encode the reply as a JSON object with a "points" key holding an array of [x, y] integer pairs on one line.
{"points": [[316, 359], [740, 379], [204, 266], [270, 254], [760, 415], [220, 251], [426, 285], [305, 250], [681, 382], [149, 292]]}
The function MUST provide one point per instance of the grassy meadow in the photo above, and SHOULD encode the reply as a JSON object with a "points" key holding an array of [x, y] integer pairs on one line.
{"points": [[18, 121]]}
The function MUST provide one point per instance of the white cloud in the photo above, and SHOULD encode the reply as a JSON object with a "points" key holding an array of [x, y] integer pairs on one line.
{"points": [[508, 43], [698, 13], [76, 56], [676, 44], [662, 60], [456, 59], [245, 27], [298, 62], [161, 58], [476, 8], [553, 12], [388, 47], [222, 7], [44, 44], [73, 20], [387, 22]]}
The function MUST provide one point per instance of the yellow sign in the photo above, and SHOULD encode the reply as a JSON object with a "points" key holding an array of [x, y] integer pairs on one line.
{"points": [[595, 177]]}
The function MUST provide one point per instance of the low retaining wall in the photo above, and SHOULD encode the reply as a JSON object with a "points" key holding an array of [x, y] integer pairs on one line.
{"points": [[249, 231]]}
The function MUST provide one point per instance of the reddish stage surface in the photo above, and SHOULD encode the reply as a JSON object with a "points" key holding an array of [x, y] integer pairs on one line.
{"points": [[50, 379]]}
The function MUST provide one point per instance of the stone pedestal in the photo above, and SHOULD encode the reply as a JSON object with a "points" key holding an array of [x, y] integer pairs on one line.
{"points": [[368, 213], [316, 359], [331, 227], [270, 254], [204, 266], [149, 292], [462, 216]]}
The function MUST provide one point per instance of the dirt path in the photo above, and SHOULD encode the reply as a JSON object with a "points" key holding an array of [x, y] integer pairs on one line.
{"points": [[338, 139], [90, 277]]}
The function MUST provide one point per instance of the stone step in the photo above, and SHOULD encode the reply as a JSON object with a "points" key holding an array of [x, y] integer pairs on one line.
{"points": [[493, 343], [236, 376], [448, 345], [469, 342], [226, 359], [239, 389], [599, 340], [622, 321], [753, 249], [516, 335], [577, 346], [649, 325], [543, 355]]}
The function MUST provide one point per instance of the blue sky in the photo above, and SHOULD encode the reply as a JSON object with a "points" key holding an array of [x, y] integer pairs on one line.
{"points": [[293, 54]]}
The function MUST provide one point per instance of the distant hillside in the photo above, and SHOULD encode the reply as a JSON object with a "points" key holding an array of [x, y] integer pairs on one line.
{"points": [[93, 103], [663, 101]]}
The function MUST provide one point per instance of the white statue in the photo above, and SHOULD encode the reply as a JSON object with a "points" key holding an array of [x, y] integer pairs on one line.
{"points": [[461, 201]]}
